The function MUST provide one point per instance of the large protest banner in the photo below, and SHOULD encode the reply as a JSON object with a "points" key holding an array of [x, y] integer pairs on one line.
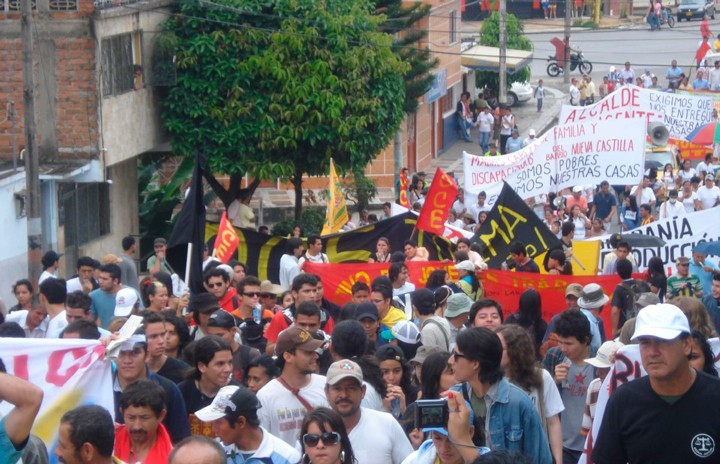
{"points": [[503, 286], [510, 220], [577, 153], [261, 253], [680, 112], [70, 372], [680, 234]]}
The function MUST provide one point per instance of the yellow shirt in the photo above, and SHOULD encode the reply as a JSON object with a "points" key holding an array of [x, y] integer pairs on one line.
{"points": [[393, 316]]}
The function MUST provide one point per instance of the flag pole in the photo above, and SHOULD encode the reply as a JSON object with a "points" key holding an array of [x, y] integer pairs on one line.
{"points": [[187, 263]]}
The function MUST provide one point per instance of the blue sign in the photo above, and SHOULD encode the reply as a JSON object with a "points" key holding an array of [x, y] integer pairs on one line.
{"points": [[439, 87]]}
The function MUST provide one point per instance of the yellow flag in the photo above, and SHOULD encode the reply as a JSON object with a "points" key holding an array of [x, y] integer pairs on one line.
{"points": [[337, 213]]}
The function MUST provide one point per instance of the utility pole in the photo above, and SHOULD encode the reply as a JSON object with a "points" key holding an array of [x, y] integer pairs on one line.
{"points": [[32, 179], [566, 68], [502, 25]]}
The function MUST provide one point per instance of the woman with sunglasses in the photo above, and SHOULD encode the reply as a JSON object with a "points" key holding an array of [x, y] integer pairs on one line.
{"points": [[324, 440]]}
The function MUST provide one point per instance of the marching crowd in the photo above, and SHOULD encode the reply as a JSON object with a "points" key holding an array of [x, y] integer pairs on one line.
{"points": [[259, 371]]}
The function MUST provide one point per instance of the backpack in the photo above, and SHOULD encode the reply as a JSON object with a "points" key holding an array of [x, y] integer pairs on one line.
{"points": [[632, 293]]}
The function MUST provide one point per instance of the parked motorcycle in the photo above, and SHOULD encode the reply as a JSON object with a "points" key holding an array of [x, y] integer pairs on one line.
{"points": [[666, 17], [577, 61]]}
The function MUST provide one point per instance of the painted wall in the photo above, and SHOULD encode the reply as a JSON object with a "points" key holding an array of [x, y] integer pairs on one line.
{"points": [[13, 250]]}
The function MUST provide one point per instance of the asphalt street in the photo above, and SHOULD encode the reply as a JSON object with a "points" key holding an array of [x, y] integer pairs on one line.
{"points": [[634, 43]]}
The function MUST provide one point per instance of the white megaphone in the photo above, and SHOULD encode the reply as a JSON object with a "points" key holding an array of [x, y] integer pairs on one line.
{"points": [[658, 134]]}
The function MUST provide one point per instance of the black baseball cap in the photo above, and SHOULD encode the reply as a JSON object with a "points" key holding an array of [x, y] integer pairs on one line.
{"points": [[221, 319], [366, 310]]}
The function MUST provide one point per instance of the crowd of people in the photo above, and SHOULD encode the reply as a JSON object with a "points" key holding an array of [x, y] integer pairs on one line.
{"points": [[261, 371]]}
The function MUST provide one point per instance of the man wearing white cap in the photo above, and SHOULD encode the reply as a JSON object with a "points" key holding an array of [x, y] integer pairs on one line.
{"points": [[670, 415], [234, 418], [602, 362], [376, 437]]}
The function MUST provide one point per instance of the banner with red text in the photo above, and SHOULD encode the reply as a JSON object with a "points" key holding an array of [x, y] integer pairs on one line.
{"points": [[680, 112], [503, 286], [226, 241], [403, 198], [70, 372], [438, 202], [576, 153]]}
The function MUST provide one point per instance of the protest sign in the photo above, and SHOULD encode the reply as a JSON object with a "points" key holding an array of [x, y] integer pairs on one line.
{"points": [[577, 153], [681, 113], [70, 372], [680, 234], [510, 220]]}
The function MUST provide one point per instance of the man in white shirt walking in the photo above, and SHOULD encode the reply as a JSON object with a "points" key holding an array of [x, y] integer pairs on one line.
{"points": [[376, 437]]}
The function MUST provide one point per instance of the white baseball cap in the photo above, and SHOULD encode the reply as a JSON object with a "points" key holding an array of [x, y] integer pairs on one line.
{"points": [[125, 301], [531, 133], [664, 321]]}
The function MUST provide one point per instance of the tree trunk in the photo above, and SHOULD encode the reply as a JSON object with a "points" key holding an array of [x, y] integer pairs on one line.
{"points": [[297, 182]]}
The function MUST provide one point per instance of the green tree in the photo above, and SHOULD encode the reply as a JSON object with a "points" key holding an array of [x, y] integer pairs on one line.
{"points": [[274, 89], [490, 36]]}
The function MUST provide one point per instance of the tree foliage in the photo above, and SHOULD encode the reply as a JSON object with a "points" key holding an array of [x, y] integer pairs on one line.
{"points": [[402, 21], [273, 89], [490, 36]]}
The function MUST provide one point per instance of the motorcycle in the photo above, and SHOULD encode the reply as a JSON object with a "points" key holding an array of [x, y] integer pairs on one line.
{"points": [[666, 17], [577, 61]]}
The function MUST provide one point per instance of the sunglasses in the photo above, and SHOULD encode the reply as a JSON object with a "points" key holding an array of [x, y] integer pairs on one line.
{"points": [[328, 438], [216, 285], [267, 295], [456, 355], [251, 294]]}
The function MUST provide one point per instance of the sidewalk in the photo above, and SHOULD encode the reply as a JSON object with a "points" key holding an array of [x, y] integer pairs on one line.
{"points": [[471, 29], [526, 117]]}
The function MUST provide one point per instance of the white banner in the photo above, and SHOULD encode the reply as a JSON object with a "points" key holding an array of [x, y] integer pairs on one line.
{"points": [[70, 372], [628, 366], [680, 234], [681, 113], [566, 156]]}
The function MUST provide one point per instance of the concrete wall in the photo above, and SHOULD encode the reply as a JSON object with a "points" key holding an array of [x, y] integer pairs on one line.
{"points": [[131, 121], [123, 211], [13, 250]]}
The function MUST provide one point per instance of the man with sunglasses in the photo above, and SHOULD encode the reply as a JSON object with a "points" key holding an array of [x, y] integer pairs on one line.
{"points": [[376, 437], [233, 415], [252, 317], [217, 282]]}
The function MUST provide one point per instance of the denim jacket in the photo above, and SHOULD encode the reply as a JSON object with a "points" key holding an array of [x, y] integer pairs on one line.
{"points": [[513, 422]]}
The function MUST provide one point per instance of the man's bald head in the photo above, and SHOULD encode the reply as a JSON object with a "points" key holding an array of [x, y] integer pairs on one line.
{"points": [[197, 450]]}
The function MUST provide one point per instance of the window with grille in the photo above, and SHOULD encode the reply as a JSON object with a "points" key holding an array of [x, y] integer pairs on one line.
{"points": [[15, 5], [85, 212], [447, 102], [453, 27], [121, 64], [63, 5]]}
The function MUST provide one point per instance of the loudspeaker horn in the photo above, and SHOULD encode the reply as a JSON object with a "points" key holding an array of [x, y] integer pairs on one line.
{"points": [[658, 134]]}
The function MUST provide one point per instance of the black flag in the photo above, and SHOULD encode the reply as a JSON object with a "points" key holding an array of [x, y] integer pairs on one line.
{"points": [[512, 220], [190, 228]]}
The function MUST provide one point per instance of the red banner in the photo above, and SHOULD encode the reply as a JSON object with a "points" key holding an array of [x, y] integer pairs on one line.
{"points": [[689, 150], [503, 286], [438, 202], [226, 241], [403, 190]]}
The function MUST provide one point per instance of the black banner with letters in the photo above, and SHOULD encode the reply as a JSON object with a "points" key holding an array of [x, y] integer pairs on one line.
{"points": [[511, 220]]}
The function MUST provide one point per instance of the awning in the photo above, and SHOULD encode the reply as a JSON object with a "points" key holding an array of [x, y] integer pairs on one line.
{"points": [[484, 58]]}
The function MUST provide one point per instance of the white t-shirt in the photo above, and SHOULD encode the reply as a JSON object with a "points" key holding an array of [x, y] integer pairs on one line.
{"points": [[46, 275], [56, 325], [579, 228], [288, 270], [407, 287], [668, 210], [74, 285], [708, 196], [485, 122], [318, 258], [372, 399], [476, 209], [551, 396], [282, 413], [240, 214], [459, 207], [378, 438], [689, 202], [686, 175], [646, 197]]}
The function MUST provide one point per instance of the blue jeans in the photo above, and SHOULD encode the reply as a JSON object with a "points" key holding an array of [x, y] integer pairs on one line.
{"points": [[539, 103], [462, 125], [653, 21], [484, 141]]}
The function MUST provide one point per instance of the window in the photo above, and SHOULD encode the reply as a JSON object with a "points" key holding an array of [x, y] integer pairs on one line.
{"points": [[447, 102], [85, 212], [453, 27], [15, 5], [63, 5], [121, 64]]}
